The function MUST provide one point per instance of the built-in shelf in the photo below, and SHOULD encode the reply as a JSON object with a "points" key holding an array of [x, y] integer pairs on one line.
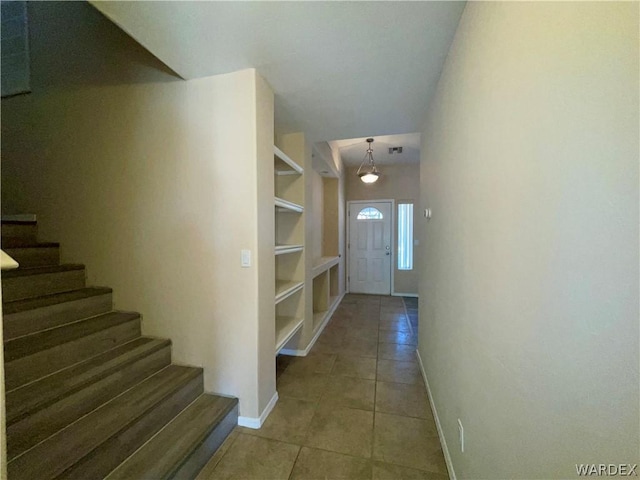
{"points": [[287, 206], [284, 165], [286, 328], [285, 289], [323, 264], [283, 249]]}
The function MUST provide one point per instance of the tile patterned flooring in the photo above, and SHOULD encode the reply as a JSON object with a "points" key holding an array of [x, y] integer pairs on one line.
{"points": [[354, 408]]}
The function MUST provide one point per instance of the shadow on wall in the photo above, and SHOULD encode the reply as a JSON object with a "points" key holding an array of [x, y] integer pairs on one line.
{"points": [[73, 44]]}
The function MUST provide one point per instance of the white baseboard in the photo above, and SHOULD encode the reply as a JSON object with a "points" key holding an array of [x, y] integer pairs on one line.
{"points": [[327, 317], [256, 422], [443, 441], [400, 294]]}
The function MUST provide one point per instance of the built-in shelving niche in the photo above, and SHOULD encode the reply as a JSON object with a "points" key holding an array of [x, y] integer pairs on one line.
{"points": [[289, 247], [325, 290]]}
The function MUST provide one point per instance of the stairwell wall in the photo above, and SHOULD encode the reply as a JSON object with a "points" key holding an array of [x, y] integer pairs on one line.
{"points": [[153, 183]]}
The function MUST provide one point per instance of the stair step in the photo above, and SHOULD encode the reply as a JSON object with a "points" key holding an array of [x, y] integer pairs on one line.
{"points": [[23, 317], [184, 446], [35, 282], [31, 357], [35, 255], [18, 231], [98, 442], [38, 410]]}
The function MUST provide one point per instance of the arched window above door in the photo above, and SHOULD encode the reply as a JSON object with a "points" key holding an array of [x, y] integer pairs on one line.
{"points": [[369, 213]]}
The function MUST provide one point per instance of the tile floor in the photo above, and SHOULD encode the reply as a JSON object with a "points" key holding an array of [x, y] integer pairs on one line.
{"points": [[354, 408]]}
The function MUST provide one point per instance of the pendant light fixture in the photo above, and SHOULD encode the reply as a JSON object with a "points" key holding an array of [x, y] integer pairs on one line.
{"points": [[368, 173]]}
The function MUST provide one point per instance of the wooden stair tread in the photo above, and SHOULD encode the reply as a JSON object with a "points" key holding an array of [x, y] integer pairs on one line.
{"points": [[36, 395], [23, 272], [53, 299], [83, 437], [161, 456], [39, 341]]}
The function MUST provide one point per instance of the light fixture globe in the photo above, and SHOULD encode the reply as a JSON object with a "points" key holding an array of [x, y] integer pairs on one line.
{"points": [[368, 172], [369, 177]]}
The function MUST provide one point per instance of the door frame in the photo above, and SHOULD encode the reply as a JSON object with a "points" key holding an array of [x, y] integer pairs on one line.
{"points": [[393, 239]]}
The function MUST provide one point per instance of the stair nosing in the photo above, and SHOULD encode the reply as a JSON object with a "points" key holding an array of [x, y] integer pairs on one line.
{"points": [[34, 245], [18, 222]]}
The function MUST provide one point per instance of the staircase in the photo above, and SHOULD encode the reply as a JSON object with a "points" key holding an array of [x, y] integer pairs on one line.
{"points": [[87, 396]]}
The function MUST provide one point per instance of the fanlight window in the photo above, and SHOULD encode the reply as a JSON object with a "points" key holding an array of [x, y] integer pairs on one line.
{"points": [[369, 213]]}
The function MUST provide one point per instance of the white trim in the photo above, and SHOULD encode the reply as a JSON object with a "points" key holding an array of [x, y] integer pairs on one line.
{"points": [[295, 168], [305, 352], [443, 441], [393, 240], [323, 264], [256, 422], [400, 294], [287, 206]]}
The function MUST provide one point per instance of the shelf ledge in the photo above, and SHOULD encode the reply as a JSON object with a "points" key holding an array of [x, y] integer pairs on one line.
{"points": [[323, 264], [286, 328], [287, 206], [294, 168], [285, 289], [284, 249]]}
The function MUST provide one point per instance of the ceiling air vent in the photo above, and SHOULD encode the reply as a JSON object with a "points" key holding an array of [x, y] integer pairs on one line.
{"points": [[393, 150]]}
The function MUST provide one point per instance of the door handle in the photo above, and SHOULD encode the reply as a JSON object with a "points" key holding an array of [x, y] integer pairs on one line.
{"points": [[388, 253]]}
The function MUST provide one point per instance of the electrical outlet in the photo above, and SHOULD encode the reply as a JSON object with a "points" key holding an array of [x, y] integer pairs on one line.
{"points": [[461, 432]]}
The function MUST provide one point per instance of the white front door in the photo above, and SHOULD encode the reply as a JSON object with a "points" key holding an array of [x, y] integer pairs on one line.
{"points": [[370, 247]]}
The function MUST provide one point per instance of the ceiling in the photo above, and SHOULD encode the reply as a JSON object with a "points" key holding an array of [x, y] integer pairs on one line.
{"points": [[352, 151], [338, 69]]}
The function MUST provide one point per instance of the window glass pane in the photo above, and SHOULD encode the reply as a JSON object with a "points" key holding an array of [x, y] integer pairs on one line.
{"points": [[405, 236], [369, 213]]}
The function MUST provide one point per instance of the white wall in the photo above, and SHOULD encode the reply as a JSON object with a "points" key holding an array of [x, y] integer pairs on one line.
{"points": [[402, 184], [529, 325], [153, 185]]}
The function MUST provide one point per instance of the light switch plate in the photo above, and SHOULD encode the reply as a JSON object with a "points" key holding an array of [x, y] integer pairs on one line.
{"points": [[245, 258]]}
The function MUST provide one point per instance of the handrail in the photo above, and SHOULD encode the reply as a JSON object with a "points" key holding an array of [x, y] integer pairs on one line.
{"points": [[6, 262]]}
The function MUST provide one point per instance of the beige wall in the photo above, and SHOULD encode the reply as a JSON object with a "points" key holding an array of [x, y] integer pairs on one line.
{"points": [[152, 184], [402, 184], [529, 289]]}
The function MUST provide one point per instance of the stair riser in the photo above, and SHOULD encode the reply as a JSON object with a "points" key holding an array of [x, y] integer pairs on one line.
{"points": [[35, 257], [27, 231], [199, 457], [27, 369], [30, 286], [25, 433], [118, 448], [31, 321]]}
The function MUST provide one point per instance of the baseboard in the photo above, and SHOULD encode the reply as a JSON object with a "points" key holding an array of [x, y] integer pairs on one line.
{"points": [[400, 294], [256, 422], [305, 352], [443, 441]]}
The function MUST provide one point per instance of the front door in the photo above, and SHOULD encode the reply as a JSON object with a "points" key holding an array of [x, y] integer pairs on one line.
{"points": [[370, 247]]}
